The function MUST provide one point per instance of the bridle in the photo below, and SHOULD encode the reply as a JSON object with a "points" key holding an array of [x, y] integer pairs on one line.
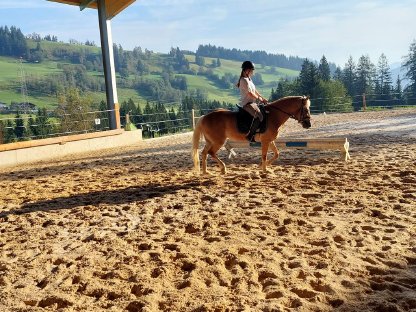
{"points": [[303, 110]]}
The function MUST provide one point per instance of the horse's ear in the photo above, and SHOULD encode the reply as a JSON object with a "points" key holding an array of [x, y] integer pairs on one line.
{"points": [[308, 97]]}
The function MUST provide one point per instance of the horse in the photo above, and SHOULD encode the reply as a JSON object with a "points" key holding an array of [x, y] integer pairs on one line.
{"points": [[221, 124]]}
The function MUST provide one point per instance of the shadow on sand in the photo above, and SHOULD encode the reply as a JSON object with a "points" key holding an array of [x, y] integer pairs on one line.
{"points": [[109, 197]]}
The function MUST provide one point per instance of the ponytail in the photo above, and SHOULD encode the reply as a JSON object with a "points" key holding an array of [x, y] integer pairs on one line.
{"points": [[241, 76]]}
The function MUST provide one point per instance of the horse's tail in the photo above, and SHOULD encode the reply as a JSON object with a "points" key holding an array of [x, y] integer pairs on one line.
{"points": [[195, 144]]}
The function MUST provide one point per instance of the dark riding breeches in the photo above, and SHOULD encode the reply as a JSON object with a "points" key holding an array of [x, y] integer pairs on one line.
{"points": [[253, 110]]}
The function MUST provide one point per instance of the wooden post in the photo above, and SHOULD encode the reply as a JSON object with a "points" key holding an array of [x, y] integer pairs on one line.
{"points": [[364, 103], [117, 115]]}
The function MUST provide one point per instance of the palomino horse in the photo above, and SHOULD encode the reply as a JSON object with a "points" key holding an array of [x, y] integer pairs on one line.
{"points": [[221, 124]]}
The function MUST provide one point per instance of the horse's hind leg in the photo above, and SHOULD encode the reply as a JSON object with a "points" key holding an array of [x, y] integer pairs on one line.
{"points": [[213, 152], [204, 155]]}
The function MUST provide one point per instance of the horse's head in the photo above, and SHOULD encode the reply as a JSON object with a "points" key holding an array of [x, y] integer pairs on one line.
{"points": [[296, 107], [303, 115]]}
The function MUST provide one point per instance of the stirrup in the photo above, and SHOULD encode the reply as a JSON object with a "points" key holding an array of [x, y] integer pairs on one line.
{"points": [[251, 137]]}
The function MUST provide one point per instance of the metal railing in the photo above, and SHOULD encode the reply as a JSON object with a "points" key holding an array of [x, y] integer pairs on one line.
{"points": [[49, 124]]}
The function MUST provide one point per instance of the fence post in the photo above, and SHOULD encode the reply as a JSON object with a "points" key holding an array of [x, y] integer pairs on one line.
{"points": [[193, 119], [364, 103]]}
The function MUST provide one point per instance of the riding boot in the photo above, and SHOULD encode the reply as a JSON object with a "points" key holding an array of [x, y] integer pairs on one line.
{"points": [[254, 126]]}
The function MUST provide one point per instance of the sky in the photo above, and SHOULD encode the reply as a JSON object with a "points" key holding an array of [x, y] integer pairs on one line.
{"points": [[307, 29]]}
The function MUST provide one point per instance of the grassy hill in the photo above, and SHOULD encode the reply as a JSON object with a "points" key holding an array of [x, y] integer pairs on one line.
{"points": [[11, 73]]}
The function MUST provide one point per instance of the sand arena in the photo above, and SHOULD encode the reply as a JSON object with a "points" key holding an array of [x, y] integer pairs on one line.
{"points": [[135, 229]]}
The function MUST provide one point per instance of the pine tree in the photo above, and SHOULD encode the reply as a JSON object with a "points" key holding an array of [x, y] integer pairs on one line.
{"points": [[278, 93], [398, 92], [199, 60], [32, 128], [142, 68], [338, 74], [410, 65], [324, 73], [19, 128], [308, 78], [43, 123], [384, 78], [365, 79], [349, 76], [130, 108], [9, 134], [12, 42]]}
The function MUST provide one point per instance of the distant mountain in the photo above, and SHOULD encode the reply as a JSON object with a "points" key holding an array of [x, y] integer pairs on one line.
{"points": [[396, 69]]}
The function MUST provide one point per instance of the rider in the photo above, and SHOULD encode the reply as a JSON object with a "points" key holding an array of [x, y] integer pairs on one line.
{"points": [[249, 97]]}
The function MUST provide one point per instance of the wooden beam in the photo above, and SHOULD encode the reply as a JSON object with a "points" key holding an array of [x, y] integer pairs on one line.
{"points": [[113, 7], [58, 140], [340, 144], [85, 3]]}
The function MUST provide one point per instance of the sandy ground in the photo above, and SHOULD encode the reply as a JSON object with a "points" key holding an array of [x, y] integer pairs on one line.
{"points": [[135, 229]]}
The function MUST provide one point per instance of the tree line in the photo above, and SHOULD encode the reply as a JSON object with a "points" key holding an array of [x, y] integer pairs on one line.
{"points": [[77, 113], [348, 87], [12, 42], [332, 90], [259, 57]]}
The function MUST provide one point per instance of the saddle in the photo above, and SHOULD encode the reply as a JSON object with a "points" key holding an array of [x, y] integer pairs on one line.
{"points": [[244, 120]]}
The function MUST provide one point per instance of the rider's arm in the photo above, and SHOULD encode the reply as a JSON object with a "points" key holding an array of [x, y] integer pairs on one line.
{"points": [[260, 98]]}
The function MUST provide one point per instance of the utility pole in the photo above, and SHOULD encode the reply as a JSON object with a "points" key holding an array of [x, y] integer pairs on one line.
{"points": [[23, 86]]}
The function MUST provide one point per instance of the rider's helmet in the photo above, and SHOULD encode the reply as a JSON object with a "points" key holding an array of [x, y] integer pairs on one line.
{"points": [[247, 65]]}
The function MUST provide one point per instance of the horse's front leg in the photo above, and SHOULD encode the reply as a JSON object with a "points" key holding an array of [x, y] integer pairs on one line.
{"points": [[273, 146], [264, 149]]}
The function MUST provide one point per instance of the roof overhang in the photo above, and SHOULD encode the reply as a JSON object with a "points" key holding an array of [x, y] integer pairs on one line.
{"points": [[113, 7]]}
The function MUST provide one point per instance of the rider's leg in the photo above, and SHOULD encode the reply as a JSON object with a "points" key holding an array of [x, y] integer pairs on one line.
{"points": [[253, 129], [254, 111]]}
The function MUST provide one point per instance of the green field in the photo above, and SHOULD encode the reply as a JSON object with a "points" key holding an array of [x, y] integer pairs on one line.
{"points": [[11, 76]]}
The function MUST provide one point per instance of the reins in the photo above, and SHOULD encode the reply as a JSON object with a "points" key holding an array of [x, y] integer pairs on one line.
{"points": [[278, 108], [290, 115]]}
